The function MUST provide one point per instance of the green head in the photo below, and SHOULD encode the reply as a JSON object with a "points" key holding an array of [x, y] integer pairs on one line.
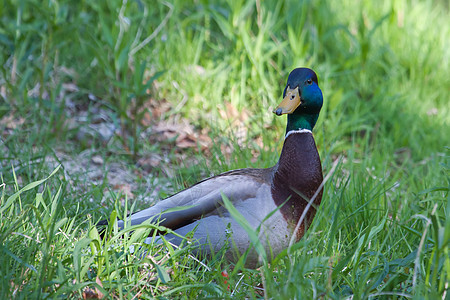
{"points": [[302, 100]]}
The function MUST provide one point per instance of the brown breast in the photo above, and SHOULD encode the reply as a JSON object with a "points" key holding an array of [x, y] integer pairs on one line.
{"points": [[298, 176]]}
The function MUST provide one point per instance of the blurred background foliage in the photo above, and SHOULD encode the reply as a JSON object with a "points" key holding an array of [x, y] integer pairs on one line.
{"points": [[377, 61]]}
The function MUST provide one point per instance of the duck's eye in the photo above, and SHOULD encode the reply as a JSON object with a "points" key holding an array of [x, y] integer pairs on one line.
{"points": [[309, 81]]}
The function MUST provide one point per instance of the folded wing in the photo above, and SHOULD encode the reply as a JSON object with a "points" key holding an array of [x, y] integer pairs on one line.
{"points": [[204, 198]]}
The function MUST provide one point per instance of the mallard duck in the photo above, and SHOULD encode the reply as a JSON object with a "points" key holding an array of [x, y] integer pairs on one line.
{"points": [[283, 190]]}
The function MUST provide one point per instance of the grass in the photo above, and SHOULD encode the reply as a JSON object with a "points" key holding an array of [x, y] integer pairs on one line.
{"points": [[383, 228]]}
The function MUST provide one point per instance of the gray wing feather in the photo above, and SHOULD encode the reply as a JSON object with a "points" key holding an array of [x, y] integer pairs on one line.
{"points": [[204, 198]]}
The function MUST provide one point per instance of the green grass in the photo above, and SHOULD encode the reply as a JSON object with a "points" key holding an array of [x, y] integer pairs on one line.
{"points": [[383, 228]]}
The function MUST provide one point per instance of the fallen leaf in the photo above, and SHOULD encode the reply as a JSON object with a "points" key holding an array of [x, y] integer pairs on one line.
{"points": [[11, 122], [184, 134], [149, 162], [186, 141], [125, 189], [89, 293], [70, 87], [146, 119]]}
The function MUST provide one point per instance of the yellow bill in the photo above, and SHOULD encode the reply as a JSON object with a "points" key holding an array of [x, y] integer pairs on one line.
{"points": [[290, 102]]}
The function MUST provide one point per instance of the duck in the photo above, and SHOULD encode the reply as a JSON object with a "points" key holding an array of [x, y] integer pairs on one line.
{"points": [[278, 203]]}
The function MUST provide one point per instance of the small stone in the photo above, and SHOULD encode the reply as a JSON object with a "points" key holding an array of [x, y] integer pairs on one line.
{"points": [[97, 159]]}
